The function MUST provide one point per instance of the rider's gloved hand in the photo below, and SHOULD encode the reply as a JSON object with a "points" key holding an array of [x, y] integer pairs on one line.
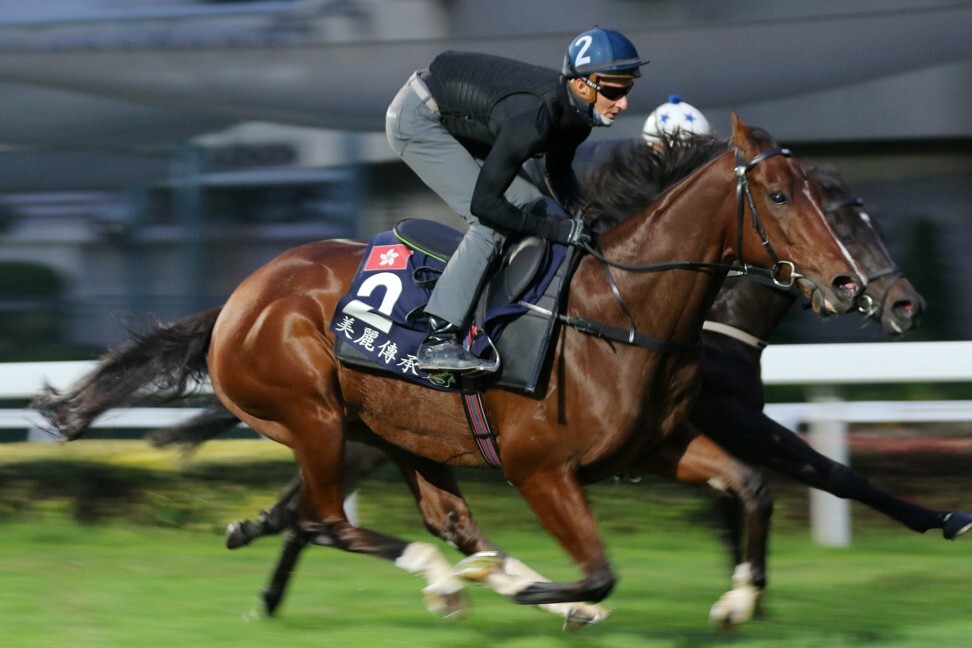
{"points": [[572, 231], [548, 220]]}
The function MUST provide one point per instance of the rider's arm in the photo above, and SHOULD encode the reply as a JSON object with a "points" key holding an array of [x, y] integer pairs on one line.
{"points": [[558, 162], [523, 128]]}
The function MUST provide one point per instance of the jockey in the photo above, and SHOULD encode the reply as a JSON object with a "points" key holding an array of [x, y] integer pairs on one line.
{"points": [[467, 124], [673, 117]]}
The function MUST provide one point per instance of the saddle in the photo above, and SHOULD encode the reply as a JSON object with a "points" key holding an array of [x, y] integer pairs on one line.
{"points": [[380, 324]]}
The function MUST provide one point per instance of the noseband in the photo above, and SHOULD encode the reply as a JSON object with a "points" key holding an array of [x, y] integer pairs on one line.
{"points": [[867, 304]]}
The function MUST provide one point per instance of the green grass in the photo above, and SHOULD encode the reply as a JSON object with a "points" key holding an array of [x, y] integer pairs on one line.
{"points": [[144, 565]]}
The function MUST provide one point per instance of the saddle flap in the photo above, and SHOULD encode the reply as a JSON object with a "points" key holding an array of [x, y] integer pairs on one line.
{"points": [[521, 265]]}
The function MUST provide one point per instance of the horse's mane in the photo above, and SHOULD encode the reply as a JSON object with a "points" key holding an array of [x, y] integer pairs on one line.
{"points": [[635, 174]]}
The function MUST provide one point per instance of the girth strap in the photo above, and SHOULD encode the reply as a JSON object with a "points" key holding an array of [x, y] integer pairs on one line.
{"points": [[472, 404]]}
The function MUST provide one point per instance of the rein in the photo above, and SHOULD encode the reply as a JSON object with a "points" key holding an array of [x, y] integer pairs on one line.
{"points": [[743, 196]]}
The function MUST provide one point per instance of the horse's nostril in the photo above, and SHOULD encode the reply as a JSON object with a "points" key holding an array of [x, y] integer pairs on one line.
{"points": [[905, 309], [846, 285]]}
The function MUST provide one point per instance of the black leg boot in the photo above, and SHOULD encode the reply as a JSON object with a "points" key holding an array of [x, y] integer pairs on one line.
{"points": [[442, 351]]}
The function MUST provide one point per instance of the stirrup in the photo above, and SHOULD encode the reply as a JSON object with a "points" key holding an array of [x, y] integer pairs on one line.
{"points": [[442, 351], [450, 356]]}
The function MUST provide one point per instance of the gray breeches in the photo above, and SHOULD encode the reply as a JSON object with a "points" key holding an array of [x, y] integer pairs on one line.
{"points": [[415, 133]]}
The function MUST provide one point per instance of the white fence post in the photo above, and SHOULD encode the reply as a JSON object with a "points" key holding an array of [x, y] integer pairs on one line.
{"points": [[830, 518]]}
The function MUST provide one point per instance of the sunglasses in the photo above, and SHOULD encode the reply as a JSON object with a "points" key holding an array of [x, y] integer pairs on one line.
{"points": [[611, 93]]}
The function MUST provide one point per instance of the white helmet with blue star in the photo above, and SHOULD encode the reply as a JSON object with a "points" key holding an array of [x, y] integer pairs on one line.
{"points": [[676, 116]]}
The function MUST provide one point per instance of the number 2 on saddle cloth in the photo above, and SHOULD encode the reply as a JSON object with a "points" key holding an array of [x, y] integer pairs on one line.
{"points": [[381, 322]]}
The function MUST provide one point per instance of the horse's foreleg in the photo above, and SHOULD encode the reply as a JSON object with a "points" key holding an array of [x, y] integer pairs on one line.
{"points": [[695, 459], [731, 518], [788, 454], [447, 515], [746, 432], [559, 502], [510, 576]]}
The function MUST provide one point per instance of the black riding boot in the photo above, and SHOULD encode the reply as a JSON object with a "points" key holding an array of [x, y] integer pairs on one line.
{"points": [[442, 351]]}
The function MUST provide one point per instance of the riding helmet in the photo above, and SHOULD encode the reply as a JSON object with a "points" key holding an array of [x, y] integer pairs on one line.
{"points": [[674, 116], [601, 51]]}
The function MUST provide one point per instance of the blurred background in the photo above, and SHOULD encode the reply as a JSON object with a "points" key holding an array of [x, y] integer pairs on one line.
{"points": [[155, 152]]}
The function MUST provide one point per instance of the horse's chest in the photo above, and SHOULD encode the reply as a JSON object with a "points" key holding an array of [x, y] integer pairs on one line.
{"points": [[670, 396]]}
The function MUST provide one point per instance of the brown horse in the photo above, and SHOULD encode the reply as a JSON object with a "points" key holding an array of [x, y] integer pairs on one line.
{"points": [[608, 406], [728, 408]]}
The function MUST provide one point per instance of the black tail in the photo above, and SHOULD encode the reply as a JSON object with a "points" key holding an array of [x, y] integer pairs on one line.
{"points": [[202, 427], [164, 359]]}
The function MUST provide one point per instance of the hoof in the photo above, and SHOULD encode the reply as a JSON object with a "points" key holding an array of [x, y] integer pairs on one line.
{"points": [[239, 534], [736, 606], [448, 605], [585, 614], [271, 601], [956, 524], [479, 566]]}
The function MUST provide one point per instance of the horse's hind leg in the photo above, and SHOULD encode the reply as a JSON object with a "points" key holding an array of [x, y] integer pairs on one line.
{"points": [[323, 520], [695, 459], [359, 460], [446, 515], [282, 515], [273, 593]]}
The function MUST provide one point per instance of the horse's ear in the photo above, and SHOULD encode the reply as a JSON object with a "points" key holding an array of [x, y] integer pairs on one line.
{"points": [[742, 136]]}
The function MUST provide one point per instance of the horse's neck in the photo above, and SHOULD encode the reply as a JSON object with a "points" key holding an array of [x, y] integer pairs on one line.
{"points": [[694, 222], [751, 307]]}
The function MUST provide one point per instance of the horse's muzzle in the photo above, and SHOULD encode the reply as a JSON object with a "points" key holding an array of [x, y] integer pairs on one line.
{"points": [[839, 297], [902, 315]]}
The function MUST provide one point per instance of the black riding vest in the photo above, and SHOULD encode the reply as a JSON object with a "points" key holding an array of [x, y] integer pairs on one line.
{"points": [[467, 86]]}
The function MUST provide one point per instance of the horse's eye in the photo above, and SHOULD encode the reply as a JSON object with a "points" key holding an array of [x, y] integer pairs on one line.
{"points": [[778, 197]]}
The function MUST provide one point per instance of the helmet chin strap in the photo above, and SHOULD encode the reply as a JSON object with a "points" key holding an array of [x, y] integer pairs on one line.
{"points": [[586, 110], [599, 119]]}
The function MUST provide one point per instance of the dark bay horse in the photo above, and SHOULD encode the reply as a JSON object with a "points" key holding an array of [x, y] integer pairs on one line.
{"points": [[608, 407], [729, 408]]}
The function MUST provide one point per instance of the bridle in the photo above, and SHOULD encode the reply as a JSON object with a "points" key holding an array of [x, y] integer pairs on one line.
{"points": [[867, 304], [744, 196]]}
